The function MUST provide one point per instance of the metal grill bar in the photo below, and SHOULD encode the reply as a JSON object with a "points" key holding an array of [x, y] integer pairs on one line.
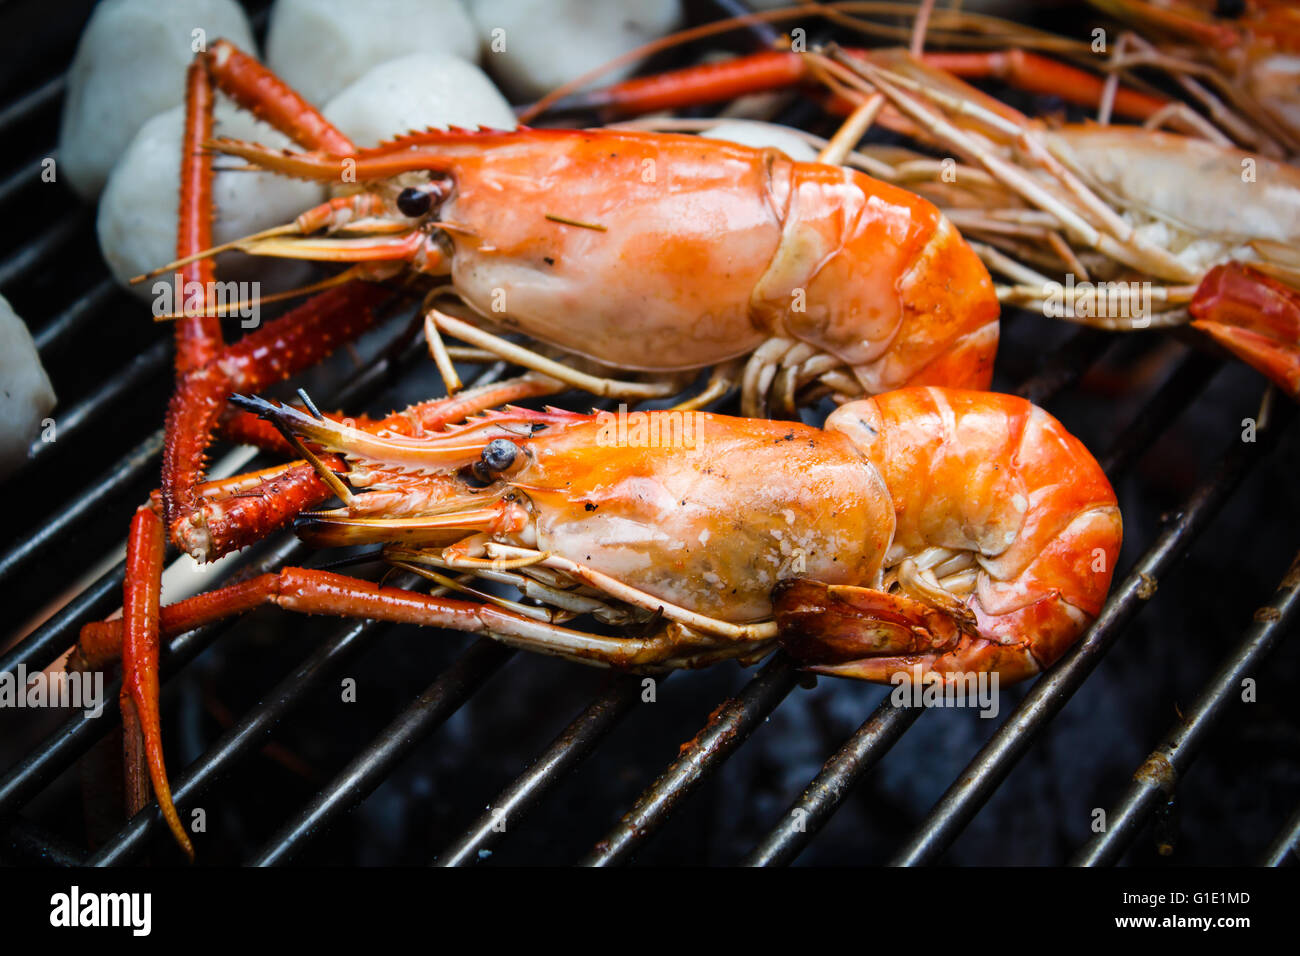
{"points": [[440, 700], [568, 750], [125, 473], [1045, 699], [33, 253], [1286, 847], [44, 97], [59, 331], [43, 646], [1189, 379], [1066, 365], [26, 844], [1159, 774], [148, 365], [824, 795], [728, 727], [16, 181]]}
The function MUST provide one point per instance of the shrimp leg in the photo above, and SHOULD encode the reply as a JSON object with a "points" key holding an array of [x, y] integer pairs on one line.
{"points": [[872, 635]]}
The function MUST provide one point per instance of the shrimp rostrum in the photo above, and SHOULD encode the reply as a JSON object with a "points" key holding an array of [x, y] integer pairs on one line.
{"points": [[926, 531]]}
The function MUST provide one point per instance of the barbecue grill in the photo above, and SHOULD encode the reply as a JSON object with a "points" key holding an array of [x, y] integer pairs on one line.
{"points": [[459, 750]]}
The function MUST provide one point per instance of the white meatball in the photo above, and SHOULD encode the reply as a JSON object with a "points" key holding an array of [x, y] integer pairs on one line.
{"points": [[416, 92], [754, 133], [320, 46], [138, 211], [26, 396], [130, 65], [533, 46]]}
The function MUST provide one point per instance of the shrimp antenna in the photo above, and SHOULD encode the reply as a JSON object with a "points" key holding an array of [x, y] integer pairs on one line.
{"points": [[235, 308], [310, 405], [234, 244]]}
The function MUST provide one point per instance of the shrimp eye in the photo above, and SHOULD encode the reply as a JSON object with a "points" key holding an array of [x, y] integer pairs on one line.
{"points": [[499, 454], [413, 202], [1230, 9]]}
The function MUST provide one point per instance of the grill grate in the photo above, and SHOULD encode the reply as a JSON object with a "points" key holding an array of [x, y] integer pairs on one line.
{"points": [[1159, 773], [730, 724]]}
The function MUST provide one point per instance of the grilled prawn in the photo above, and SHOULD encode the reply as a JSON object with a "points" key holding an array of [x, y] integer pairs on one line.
{"points": [[660, 253], [947, 530]]}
